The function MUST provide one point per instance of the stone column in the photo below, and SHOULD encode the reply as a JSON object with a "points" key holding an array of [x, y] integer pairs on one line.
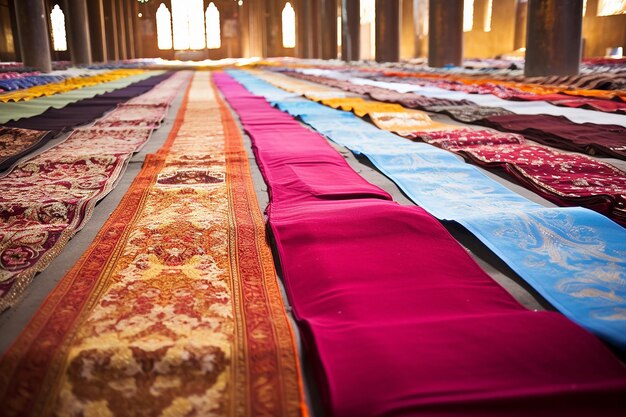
{"points": [[445, 32], [32, 25], [121, 28], [95, 11], [553, 37], [521, 10], [387, 30], [304, 26], [350, 37], [80, 45], [407, 30], [110, 27], [328, 28], [130, 28]]}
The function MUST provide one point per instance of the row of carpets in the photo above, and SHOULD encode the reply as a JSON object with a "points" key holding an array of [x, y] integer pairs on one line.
{"points": [[594, 73], [175, 309], [14, 111], [30, 130], [567, 179], [50, 196], [67, 84], [573, 257], [396, 318], [603, 98], [572, 129]]}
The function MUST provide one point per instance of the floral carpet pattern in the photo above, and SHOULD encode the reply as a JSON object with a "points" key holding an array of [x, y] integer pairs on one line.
{"points": [[15, 142], [53, 193], [175, 309]]}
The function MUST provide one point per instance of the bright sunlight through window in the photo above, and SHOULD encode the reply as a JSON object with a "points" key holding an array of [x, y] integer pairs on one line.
{"points": [[289, 26], [59, 39], [164, 27], [213, 38]]}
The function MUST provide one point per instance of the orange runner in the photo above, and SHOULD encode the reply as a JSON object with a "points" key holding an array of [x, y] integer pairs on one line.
{"points": [[175, 309]]}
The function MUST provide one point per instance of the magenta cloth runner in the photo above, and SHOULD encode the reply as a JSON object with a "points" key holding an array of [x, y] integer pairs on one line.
{"points": [[397, 318]]}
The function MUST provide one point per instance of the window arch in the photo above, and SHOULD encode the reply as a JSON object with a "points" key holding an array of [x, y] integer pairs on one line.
{"points": [[289, 26], [164, 27], [213, 34], [468, 15], [611, 7], [188, 24], [367, 28], [59, 37], [488, 16]]}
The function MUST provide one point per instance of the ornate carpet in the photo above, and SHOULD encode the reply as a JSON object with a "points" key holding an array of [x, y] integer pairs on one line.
{"points": [[16, 142], [174, 310], [51, 195]]}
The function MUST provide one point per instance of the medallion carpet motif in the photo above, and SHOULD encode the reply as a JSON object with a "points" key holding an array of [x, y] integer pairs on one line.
{"points": [[174, 310]]}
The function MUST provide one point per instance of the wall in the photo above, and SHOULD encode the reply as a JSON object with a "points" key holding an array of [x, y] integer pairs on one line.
{"points": [[480, 44], [230, 47], [8, 44], [407, 34], [601, 32]]}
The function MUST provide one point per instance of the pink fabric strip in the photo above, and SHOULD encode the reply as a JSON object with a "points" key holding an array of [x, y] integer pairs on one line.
{"points": [[396, 316]]}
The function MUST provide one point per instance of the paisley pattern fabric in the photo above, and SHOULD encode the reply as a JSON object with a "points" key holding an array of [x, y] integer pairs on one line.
{"points": [[175, 309], [569, 242], [52, 194], [15, 142]]}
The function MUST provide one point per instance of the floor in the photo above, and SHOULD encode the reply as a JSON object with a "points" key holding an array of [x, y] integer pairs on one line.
{"points": [[14, 320]]}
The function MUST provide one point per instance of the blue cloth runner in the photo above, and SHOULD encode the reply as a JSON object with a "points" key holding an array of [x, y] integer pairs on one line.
{"points": [[574, 257]]}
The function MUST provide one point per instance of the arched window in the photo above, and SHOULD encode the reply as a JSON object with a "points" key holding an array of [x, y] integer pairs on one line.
{"points": [[188, 24], [367, 21], [164, 27], [468, 15], [611, 7], [213, 35], [59, 38], [289, 26], [488, 14]]}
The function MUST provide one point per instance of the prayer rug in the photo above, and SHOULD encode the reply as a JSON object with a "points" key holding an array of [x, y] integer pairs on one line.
{"points": [[175, 309], [573, 257], [53, 194], [136, 115], [15, 143]]}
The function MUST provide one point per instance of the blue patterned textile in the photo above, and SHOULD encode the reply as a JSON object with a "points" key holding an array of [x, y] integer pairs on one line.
{"points": [[574, 257]]}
